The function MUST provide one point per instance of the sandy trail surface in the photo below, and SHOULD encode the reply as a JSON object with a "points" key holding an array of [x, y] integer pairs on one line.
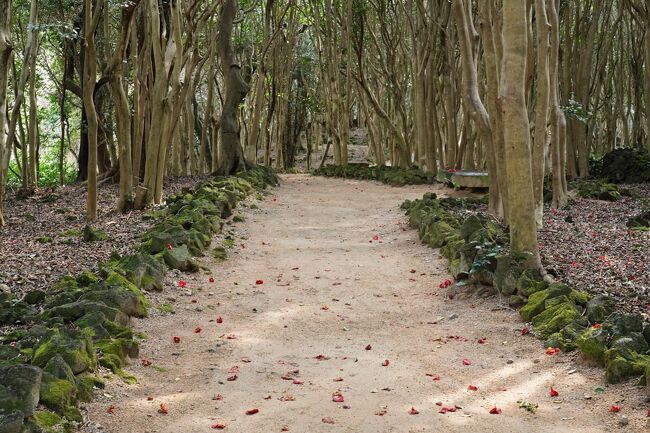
{"points": [[346, 287]]}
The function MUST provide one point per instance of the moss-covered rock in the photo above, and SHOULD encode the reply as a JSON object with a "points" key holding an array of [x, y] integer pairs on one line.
{"points": [[143, 270], [19, 389], [46, 421], [507, 274], [34, 297], [593, 344], [90, 234], [557, 317], [530, 281], [566, 339], [60, 395], [181, 259], [534, 306], [76, 310], [599, 308], [75, 347], [621, 324], [117, 292], [113, 355], [579, 298], [219, 254], [619, 367]]}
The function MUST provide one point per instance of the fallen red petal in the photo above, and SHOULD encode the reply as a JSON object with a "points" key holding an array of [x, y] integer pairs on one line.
{"points": [[258, 282], [219, 319], [385, 363], [211, 280], [164, 408], [413, 411], [252, 411], [177, 340], [368, 347], [482, 341], [232, 378], [145, 362], [338, 398], [111, 410], [218, 426], [182, 284], [495, 411], [525, 331], [473, 388], [615, 409], [197, 330], [328, 420], [149, 398], [467, 362], [553, 392]]}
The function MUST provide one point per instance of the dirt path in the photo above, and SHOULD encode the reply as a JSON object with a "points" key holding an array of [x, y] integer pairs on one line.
{"points": [[329, 291]]}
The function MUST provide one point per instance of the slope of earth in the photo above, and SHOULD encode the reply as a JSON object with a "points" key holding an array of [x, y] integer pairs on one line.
{"points": [[327, 317]]}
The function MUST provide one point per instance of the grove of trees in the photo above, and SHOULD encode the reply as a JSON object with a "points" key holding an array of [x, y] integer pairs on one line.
{"points": [[134, 91]]}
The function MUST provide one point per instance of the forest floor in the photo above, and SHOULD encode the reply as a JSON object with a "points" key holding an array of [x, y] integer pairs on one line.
{"points": [[347, 331]]}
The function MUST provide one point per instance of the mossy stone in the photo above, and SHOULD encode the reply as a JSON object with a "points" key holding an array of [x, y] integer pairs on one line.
{"points": [[579, 298], [622, 324], [143, 270], [60, 395], [534, 306], [506, 275], [90, 234], [566, 338], [557, 317], [437, 234], [558, 289], [75, 347], [181, 259], [58, 368], [619, 368], [11, 422], [599, 308], [75, 310], [116, 291], [47, 421], [34, 297], [451, 250], [219, 254], [19, 389], [630, 345], [593, 344], [530, 281]]}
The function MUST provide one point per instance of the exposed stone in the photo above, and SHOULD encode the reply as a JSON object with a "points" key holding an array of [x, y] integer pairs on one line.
{"points": [[557, 317], [181, 259], [34, 297], [19, 389], [75, 347], [599, 308]]}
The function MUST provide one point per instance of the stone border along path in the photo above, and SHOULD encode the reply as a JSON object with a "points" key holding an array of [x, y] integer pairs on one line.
{"points": [[328, 317]]}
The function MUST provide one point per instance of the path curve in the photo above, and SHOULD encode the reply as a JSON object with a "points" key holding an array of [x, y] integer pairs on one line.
{"points": [[330, 289]]}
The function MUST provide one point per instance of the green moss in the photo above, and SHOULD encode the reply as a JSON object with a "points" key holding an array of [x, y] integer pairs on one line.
{"points": [[579, 298], [44, 240], [619, 368], [557, 317], [228, 242], [219, 254], [167, 308], [534, 306], [47, 421], [60, 395], [593, 345], [75, 347], [93, 235]]}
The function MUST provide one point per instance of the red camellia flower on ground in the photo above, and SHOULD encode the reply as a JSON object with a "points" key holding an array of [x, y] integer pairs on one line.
{"points": [[218, 426], [368, 347], [596, 326], [385, 363], [182, 284], [163, 409], [472, 388], [259, 282], [219, 319], [170, 247], [338, 398], [177, 339], [552, 351], [467, 362], [495, 411], [252, 411], [615, 408], [211, 280], [197, 330], [553, 392]]}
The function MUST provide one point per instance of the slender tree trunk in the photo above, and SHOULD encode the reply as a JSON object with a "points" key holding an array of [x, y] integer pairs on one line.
{"points": [[541, 108], [231, 153], [523, 230], [91, 21], [5, 63]]}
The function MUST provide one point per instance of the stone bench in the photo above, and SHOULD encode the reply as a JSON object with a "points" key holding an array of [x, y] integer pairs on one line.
{"points": [[465, 179]]}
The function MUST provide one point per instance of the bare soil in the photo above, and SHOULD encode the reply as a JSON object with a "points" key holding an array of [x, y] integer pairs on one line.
{"points": [[336, 303]]}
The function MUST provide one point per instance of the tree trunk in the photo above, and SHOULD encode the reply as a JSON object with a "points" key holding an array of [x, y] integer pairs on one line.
{"points": [[523, 230], [231, 153]]}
